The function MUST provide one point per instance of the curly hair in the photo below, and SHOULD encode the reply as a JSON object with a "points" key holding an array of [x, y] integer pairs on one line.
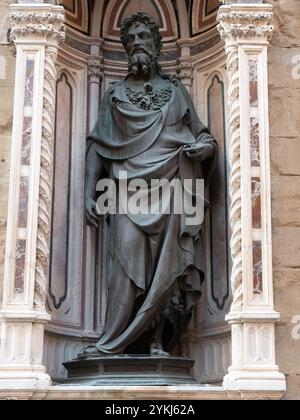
{"points": [[142, 17]]}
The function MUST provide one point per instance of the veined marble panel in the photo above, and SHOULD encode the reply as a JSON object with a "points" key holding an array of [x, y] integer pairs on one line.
{"points": [[65, 288]]}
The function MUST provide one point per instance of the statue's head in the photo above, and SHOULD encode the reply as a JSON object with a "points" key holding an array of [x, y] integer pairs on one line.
{"points": [[142, 41]]}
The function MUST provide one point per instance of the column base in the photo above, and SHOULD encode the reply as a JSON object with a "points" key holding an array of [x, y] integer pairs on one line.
{"points": [[252, 383], [20, 377], [21, 384], [254, 373], [21, 354]]}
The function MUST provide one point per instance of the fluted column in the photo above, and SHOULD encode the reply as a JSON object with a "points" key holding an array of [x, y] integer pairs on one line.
{"points": [[247, 30], [36, 30]]}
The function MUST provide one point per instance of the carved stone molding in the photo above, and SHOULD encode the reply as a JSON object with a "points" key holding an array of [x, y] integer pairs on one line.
{"points": [[235, 177], [36, 24], [46, 169], [238, 23]]}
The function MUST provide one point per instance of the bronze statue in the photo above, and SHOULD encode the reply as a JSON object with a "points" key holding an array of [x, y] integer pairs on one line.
{"points": [[149, 128]]}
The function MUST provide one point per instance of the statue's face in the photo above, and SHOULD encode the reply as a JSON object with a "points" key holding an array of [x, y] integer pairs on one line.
{"points": [[140, 41]]}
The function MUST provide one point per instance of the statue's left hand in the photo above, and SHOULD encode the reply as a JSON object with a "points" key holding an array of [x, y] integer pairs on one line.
{"points": [[91, 212], [200, 151]]}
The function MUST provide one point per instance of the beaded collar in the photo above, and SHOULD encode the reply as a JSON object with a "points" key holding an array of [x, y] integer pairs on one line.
{"points": [[150, 99]]}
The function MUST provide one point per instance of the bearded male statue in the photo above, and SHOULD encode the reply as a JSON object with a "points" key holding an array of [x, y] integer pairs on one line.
{"points": [[148, 128]]}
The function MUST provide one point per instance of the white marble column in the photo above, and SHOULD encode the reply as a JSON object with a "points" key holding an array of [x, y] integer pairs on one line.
{"points": [[247, 30], [36, 30]]}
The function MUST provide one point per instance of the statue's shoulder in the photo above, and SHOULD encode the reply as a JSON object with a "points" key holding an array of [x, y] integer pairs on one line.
{"points": [[116, 83], [172, 79], [177, 83], [113, 86]]}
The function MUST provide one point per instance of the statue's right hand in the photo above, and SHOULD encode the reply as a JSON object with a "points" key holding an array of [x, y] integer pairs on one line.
{"points": [[91, 212]]}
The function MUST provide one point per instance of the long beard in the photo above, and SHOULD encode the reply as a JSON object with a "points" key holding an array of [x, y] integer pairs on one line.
{"points": [[141, 63]]}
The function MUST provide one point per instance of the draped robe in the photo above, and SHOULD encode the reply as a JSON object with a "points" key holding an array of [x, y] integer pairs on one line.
{"points": [[153, 257]]}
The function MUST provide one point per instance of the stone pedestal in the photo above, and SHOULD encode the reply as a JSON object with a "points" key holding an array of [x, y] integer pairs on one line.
{"points": [[131, 371]]}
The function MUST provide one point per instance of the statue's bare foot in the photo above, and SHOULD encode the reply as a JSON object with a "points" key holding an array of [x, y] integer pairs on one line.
{"points": [[157, 350], [90, 351]]}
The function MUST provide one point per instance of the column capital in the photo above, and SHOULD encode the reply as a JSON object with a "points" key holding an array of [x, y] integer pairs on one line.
{"points": [[95, 69], [185, 70], [246, 22], [37, 22]]}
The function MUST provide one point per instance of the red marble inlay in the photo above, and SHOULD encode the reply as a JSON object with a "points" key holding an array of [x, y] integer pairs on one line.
{"points": [[70, 5], [29, 83], [256, 203], [257, 268], [23, 202], [20, 266], [26, 141], [253, 70], [255, 142], [77, 14], [211, 6], [254, 94], [27, 121], [205, 11], [253, 77]]}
